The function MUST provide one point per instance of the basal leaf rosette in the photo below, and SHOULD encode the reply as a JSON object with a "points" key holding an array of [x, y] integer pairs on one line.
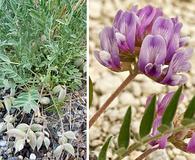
{"points": [[148, 40]]}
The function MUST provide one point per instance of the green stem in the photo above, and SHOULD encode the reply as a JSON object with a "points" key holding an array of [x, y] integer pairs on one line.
{"points": [[58, 112]]}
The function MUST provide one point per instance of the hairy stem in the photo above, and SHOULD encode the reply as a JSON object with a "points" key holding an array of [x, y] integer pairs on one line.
{"points": [[145, 140], [110, 99], [180, 144]]}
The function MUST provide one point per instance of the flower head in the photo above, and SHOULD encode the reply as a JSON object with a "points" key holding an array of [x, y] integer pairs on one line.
{"points": [[147, 38]]}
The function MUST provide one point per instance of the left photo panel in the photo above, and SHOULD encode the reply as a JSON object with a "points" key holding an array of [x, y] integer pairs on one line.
{"points": [[43, 93]]}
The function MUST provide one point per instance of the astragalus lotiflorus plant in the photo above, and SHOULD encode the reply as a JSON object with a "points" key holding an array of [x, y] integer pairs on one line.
{"points": [[145, 41]]}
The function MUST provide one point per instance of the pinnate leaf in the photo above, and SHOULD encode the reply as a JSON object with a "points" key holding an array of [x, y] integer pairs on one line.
{"points": [[27, 100]]}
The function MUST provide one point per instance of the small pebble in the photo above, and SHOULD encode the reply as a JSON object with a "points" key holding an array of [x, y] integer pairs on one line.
{"points": [[180, 157], [44, 100], [3, 143], [32, 156]]}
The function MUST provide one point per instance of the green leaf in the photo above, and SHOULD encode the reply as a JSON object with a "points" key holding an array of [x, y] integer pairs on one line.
{"points": [[124, 134], [148, 118], [4, 58], [189, 113], [90, 92], [171, 109], [191, 109], [103, 152], [27, 100]]}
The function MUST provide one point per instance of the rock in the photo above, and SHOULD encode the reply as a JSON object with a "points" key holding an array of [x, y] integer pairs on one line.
{"points": [[109, 9], [94, 133], [136, 89], [176, 151], [135, 126], [135, 154], [106, 126], [3, 143], [13, 158], [143, 100], [180, 157], [96, 142], [150, 87], [115, 129], [112, 114], [32, 156], [127, 98], [107, 84], [95, 7], [159, 155], [44, 100]]}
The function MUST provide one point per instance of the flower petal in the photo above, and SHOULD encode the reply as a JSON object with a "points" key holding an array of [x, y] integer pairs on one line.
{"points": [[107, 39], [179, 63], [153, 50], [146, 16], [164, 27], [164, 102], [174, 41], [131, 21], [162, 142], [104, 58], [125, 26], [121, 41], [117, 18], [191, 144], [153, 70], [109, 56], [183, 41]]}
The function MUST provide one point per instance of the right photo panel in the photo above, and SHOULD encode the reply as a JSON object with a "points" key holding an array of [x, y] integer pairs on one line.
{"points": [[142, 80]]}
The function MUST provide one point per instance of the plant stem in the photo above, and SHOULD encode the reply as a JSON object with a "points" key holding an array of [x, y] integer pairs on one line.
{"points": [[145, 140], [61, 122], [146, 153], [111, 98]]}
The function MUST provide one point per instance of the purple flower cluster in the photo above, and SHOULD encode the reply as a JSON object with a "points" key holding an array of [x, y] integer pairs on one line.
{"points": [[161, 143], [156, 41]]}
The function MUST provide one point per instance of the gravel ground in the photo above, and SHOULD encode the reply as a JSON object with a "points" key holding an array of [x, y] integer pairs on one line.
{"points": [[105, 81], [74, 118]]}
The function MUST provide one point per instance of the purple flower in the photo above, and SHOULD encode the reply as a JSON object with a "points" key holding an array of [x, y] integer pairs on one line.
{"points": [[149, 40], [125, 30], [191, 144], [131, 26], [161, 56], [162, 103], [109, 54]]}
